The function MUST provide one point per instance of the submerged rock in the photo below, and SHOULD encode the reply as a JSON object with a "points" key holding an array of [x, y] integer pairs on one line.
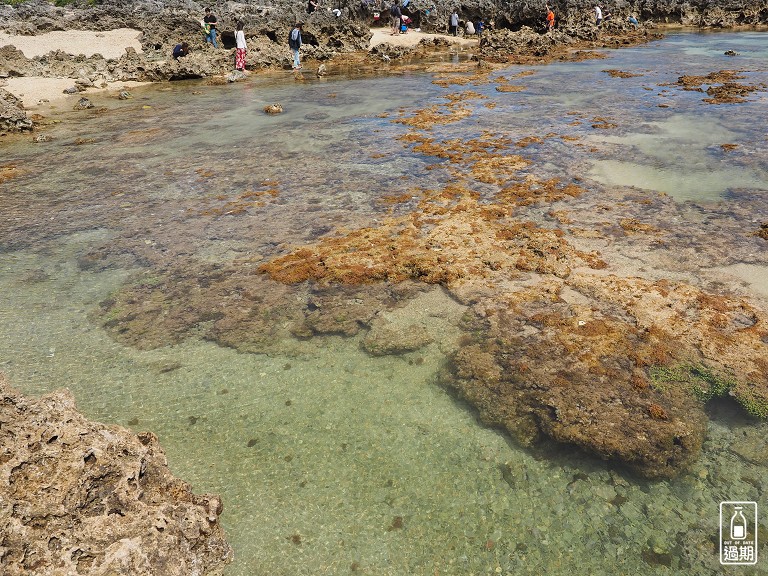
{"points": [[81, 497], [386, 337]]}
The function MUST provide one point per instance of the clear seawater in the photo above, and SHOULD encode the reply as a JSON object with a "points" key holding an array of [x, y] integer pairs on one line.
{"points": [[329, 460]]}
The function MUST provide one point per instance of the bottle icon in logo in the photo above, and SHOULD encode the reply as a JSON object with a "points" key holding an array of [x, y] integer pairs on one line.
{"points": [[738, 525]]}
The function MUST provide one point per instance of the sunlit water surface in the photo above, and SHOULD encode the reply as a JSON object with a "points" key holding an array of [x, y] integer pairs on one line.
{"points": [[331, 461]]}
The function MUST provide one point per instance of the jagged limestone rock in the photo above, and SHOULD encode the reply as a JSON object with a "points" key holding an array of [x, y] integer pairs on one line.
{"points": [[81, 497]]}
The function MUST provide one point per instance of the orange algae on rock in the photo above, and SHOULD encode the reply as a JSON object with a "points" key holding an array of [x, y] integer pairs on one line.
{"points": [[547, 367], [723, 332], [8, 172], [450, 236]]}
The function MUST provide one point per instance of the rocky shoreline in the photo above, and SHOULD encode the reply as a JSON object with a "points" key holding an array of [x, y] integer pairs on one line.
{"points": [[519, 37]]}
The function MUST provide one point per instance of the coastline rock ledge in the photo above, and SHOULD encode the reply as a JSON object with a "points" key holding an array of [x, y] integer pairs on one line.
{"points": [[78, 497]]}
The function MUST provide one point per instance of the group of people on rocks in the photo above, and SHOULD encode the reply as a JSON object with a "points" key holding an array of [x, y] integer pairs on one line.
{"points": [[209, 25], [399, 23], [601, 15], [470, 28]]}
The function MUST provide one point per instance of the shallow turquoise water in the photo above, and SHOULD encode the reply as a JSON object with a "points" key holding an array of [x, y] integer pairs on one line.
{"points": [[331, 461]]}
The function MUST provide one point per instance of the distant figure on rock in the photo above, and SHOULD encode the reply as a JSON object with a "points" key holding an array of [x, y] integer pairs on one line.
{"points": [[395, 14], [453, 27], [294, 43], [632, 20], [598, 15], [311, 6], [470, 28], [479, 27], [241, 48], [550, 19], [180, 50], [210, 22]]}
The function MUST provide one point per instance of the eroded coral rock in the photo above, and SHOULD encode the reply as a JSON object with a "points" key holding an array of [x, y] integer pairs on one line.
{"points": [[13, 118], [80, 497], [83, 104]]}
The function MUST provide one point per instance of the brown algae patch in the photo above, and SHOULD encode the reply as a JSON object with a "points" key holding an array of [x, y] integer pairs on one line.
{"points": [[620, 74], [9, 171], [634, 226], [579, 373], [453, 111], [601, 123], [762, 231], [241, 204], [721, 86], [451, 237]]}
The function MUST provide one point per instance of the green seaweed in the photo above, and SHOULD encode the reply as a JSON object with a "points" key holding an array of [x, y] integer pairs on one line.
{"points": [[754, 406], [702, 381]]}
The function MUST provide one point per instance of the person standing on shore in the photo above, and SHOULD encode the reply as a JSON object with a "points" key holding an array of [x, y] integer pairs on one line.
{"points": [[550, 19], [598, 16], [294, 43], [241, 48], [396, 14], [454, 23], [210, 22]]}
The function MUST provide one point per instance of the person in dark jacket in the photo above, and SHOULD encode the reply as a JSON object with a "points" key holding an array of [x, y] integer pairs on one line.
{"points": [[396, 14], [294, 43], [180, 50]]}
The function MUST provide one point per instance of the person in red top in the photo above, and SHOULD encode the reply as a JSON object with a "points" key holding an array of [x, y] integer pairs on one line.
{"points": [[550, 18]]}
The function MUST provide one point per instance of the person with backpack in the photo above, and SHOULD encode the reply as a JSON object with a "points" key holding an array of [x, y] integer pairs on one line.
{"points": [[294, 43], [396, 13]]}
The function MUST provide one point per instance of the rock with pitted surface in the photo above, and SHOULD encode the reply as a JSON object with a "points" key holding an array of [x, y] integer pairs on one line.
{"points": [[78, 497], [12, 115]]}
